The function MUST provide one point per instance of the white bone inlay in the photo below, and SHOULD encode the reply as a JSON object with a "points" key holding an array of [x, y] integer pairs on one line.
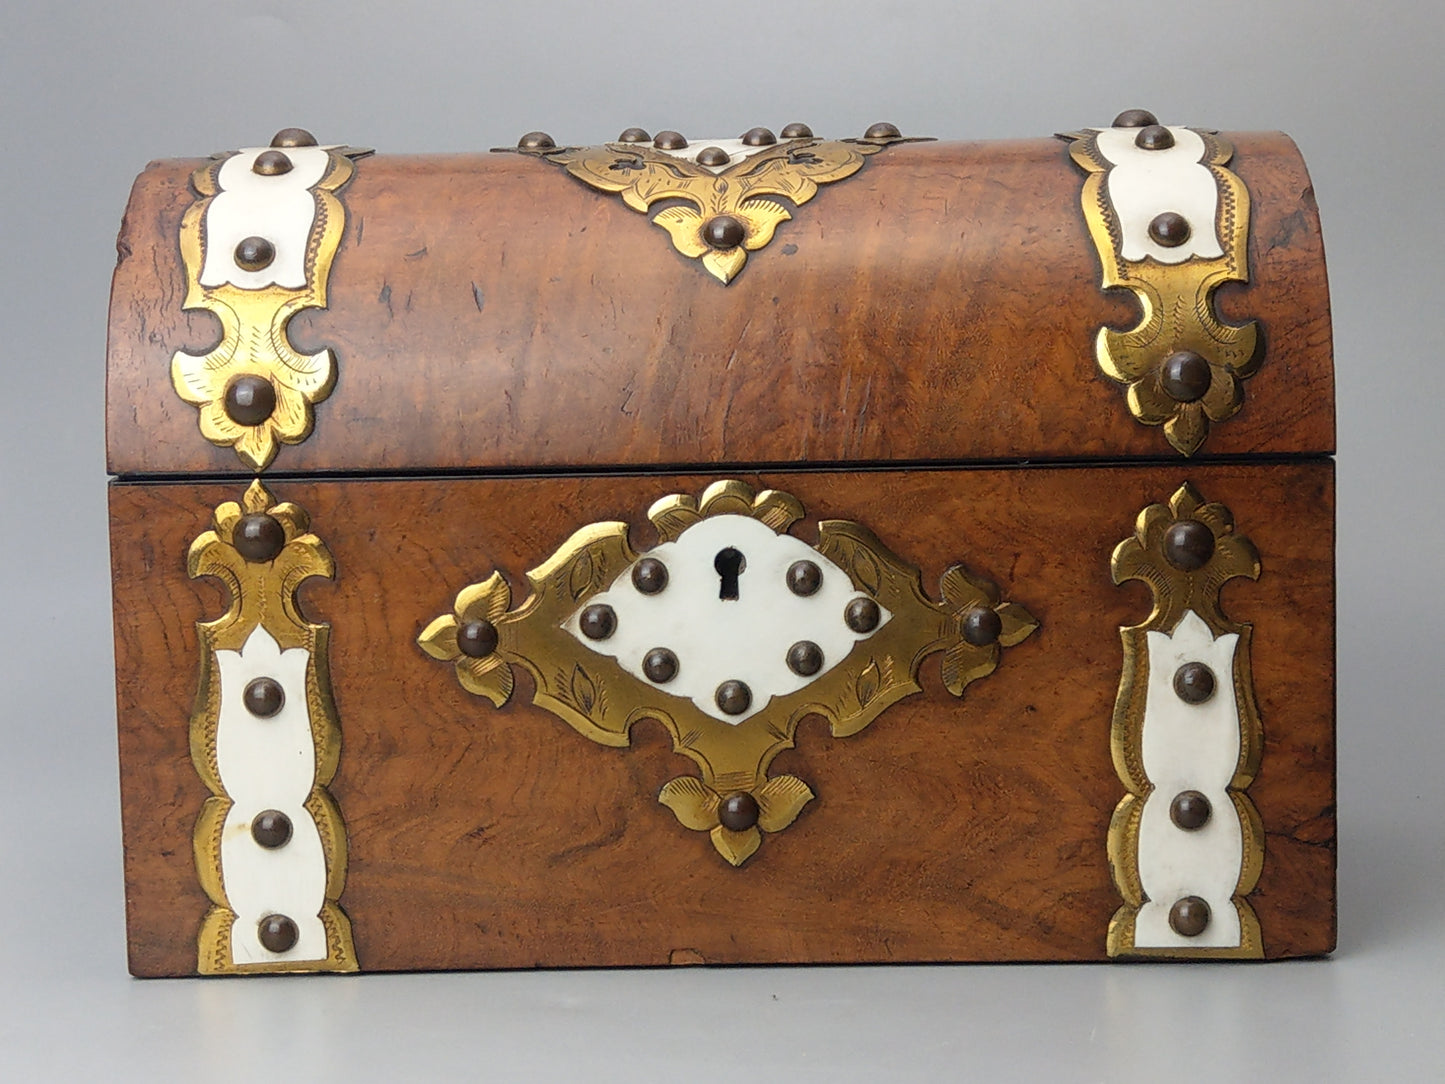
{"points": [[736, 149], [1143, 184], [280, 208], [715, 640], [1190, 747], [269, 764]]}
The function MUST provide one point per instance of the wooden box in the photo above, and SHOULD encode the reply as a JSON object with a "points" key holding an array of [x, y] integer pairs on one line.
{"points": [[778, 549]]}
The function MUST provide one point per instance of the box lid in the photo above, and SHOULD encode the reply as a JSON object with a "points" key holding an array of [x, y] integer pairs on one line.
{"points": [[935, 303]]}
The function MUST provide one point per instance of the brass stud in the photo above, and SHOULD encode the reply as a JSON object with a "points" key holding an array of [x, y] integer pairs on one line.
{"points": [[724, 232], [255, 254], [733, 697], [862, 615], [271, 829], [263, 697], [249, 399], [1189, 917], [1185, 376], [476, 639], [259, 537], [1154, 137], [598, 621], [1188, 545], [1190, 810], [882, 130], [634, 135], [271, 164], [669, 141], [536, 141], [713, 156], [738, 812], [804, 578], [277, 933], [293, 137], [660, 665], [982, 626], [797, 130], [1194, 683], [805, 658], [1135, 118], [1169, 229], [649, 576], [758, 137]]}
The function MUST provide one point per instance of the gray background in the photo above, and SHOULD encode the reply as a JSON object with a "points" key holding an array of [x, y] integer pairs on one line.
{"points": [[89, 92]]}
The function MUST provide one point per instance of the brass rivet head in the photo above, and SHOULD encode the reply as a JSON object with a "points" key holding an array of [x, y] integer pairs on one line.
{"points": [[862, 615], [263, 697], [634, 135], [797, 130], [738, 812], [259, 537], [669, 141], [805, 658], [713, 156], [1185, 376], [1135, 118], [804, 578], [271, 164], [277, 933], [1194, 683], [982, 626], [1189, 917], [250, 399], [1190, 810], [1154, 137], [724, 231], [536, 141], [271, 829], [1188, 545], [476, 639], [660, 665], [649, 576], [254, 254], [733, 698], [293, 137], [758, 137], [1169, 229], [882, 130], [598, 621]]}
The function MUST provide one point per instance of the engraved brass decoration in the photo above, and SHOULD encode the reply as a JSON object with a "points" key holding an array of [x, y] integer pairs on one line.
{"points": [[254, 323], [263, 597], [597, 697], [791, 170], [1177, 595], [1177, 302]]}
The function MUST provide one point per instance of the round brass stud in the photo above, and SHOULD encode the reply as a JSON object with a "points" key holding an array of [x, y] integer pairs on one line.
{"points": [[649, 576], [1189, 916], [249, 399], [713, 156], [669, 141], [862, 615], [598, 621], [1135, 118], [724, 231], [1185, 376], [1194, 683], [263, 697], [476, 639], [733, 697], [660, 665], [1188, 545], [277, 933], [804, 578], [982, 626], [738, 812], [255, 254], [1154, 137], [271, 164], [259, 537], [536, 141], [293, 137], [805, 658], [797, 130], [271, 829], [758, 137], [882, 130], [1190, 810], [1169, 229], [634, 135]]}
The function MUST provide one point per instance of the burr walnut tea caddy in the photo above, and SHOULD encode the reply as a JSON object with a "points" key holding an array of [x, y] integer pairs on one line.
{"points": [[773, 549]]}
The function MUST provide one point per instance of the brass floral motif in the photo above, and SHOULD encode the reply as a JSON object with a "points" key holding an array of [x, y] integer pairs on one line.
{"points": [[792, 170], [596, 696], [1177, 592], [263, 595], [1177, 302]]}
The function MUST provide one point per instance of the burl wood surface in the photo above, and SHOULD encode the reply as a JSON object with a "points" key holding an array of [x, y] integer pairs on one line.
{"points": [[948, 830], [489, 311]]}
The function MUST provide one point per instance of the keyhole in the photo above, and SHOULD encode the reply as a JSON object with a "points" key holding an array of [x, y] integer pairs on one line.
{"points": [[729, 564]]}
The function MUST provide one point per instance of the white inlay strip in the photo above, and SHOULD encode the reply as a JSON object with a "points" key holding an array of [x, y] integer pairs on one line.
{"points": [[736, 149], [1144, 184]]}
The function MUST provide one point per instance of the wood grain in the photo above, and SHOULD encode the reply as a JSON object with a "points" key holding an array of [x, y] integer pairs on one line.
{"points": [[948, 830], [488, 311]]}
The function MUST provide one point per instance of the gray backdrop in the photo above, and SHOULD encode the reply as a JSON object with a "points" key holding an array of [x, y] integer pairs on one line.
{"points": [[90, 91]]}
